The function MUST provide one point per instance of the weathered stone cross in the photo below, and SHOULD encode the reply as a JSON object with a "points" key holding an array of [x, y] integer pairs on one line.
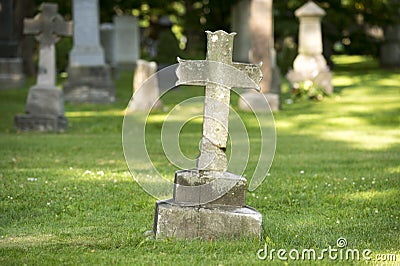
{"points": [[47, 26], [208, 201], [217, 98]]}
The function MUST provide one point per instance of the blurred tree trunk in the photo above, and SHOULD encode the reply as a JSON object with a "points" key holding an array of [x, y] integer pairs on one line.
{"points": [[23, 9]]}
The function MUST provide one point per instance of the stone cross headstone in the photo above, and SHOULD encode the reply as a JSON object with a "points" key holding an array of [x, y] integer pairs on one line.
{"points": [[45, 103], [11, 74], [146, 91], [89, 77], [253, 20], [198, 210], [127, 41], [310, 65]]}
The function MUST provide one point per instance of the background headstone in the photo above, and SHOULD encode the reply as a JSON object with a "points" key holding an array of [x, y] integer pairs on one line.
{"points": [[310, 65], [11, 68], [107, 40], [240, 18], [127, 41], [253, 20], [89, 77], [45, 103], [146, 93], [390, 49]]}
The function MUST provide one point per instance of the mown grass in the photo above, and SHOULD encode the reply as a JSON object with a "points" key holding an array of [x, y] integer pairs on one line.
{"points": [[69, 198]]}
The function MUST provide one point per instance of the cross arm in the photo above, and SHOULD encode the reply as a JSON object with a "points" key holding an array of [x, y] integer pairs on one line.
{"points": [[202, 72], [253, 71], [62, 27], [32, 25]]}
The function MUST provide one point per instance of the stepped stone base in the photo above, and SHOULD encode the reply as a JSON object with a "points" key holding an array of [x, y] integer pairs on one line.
{"points": [[207, 204], [44, 110], [173, 221], [91, 84], [42, 123]]}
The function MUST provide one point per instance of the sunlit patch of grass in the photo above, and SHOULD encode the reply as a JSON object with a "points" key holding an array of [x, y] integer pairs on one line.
{"points": [[94, 113], [374, 195], [345, 81], [365, 140], [348, 60]]}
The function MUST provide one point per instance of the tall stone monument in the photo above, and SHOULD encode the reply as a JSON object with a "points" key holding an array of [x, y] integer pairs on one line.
{"points": [[253, 20], [127, 41], [11, 73], [390, 49], [310, 65], [209, 202], [45, 103], [89, 77], [146, 91]]}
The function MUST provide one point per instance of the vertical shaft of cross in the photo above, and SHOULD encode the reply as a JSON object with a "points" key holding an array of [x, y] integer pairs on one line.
{"points": [[216, 107], [47, 65]]}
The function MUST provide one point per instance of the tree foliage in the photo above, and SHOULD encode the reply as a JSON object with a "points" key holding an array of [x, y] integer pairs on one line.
{"points": [[349, 25]]}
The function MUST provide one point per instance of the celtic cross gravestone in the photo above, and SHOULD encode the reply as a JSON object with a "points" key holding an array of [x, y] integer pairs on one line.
{"points": [[45, 103]]}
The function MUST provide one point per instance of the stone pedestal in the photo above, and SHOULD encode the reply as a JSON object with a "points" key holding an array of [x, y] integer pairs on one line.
{"points": [[173, 221], [44, 111], [11, 74], [41, 123], [89, 84], [207, 204]]}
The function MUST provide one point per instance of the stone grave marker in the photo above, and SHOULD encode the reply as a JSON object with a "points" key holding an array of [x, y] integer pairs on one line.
{"points": [[127, 41], [310, 65], [146, 96], [89, 77], [45, 103], [107, 40], [209, 202], [253, 20], [240, 17], [11, 74], [390, 49]]}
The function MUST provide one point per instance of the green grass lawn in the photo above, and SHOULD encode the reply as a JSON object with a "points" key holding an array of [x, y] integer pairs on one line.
{"points": [[70, 199]]}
